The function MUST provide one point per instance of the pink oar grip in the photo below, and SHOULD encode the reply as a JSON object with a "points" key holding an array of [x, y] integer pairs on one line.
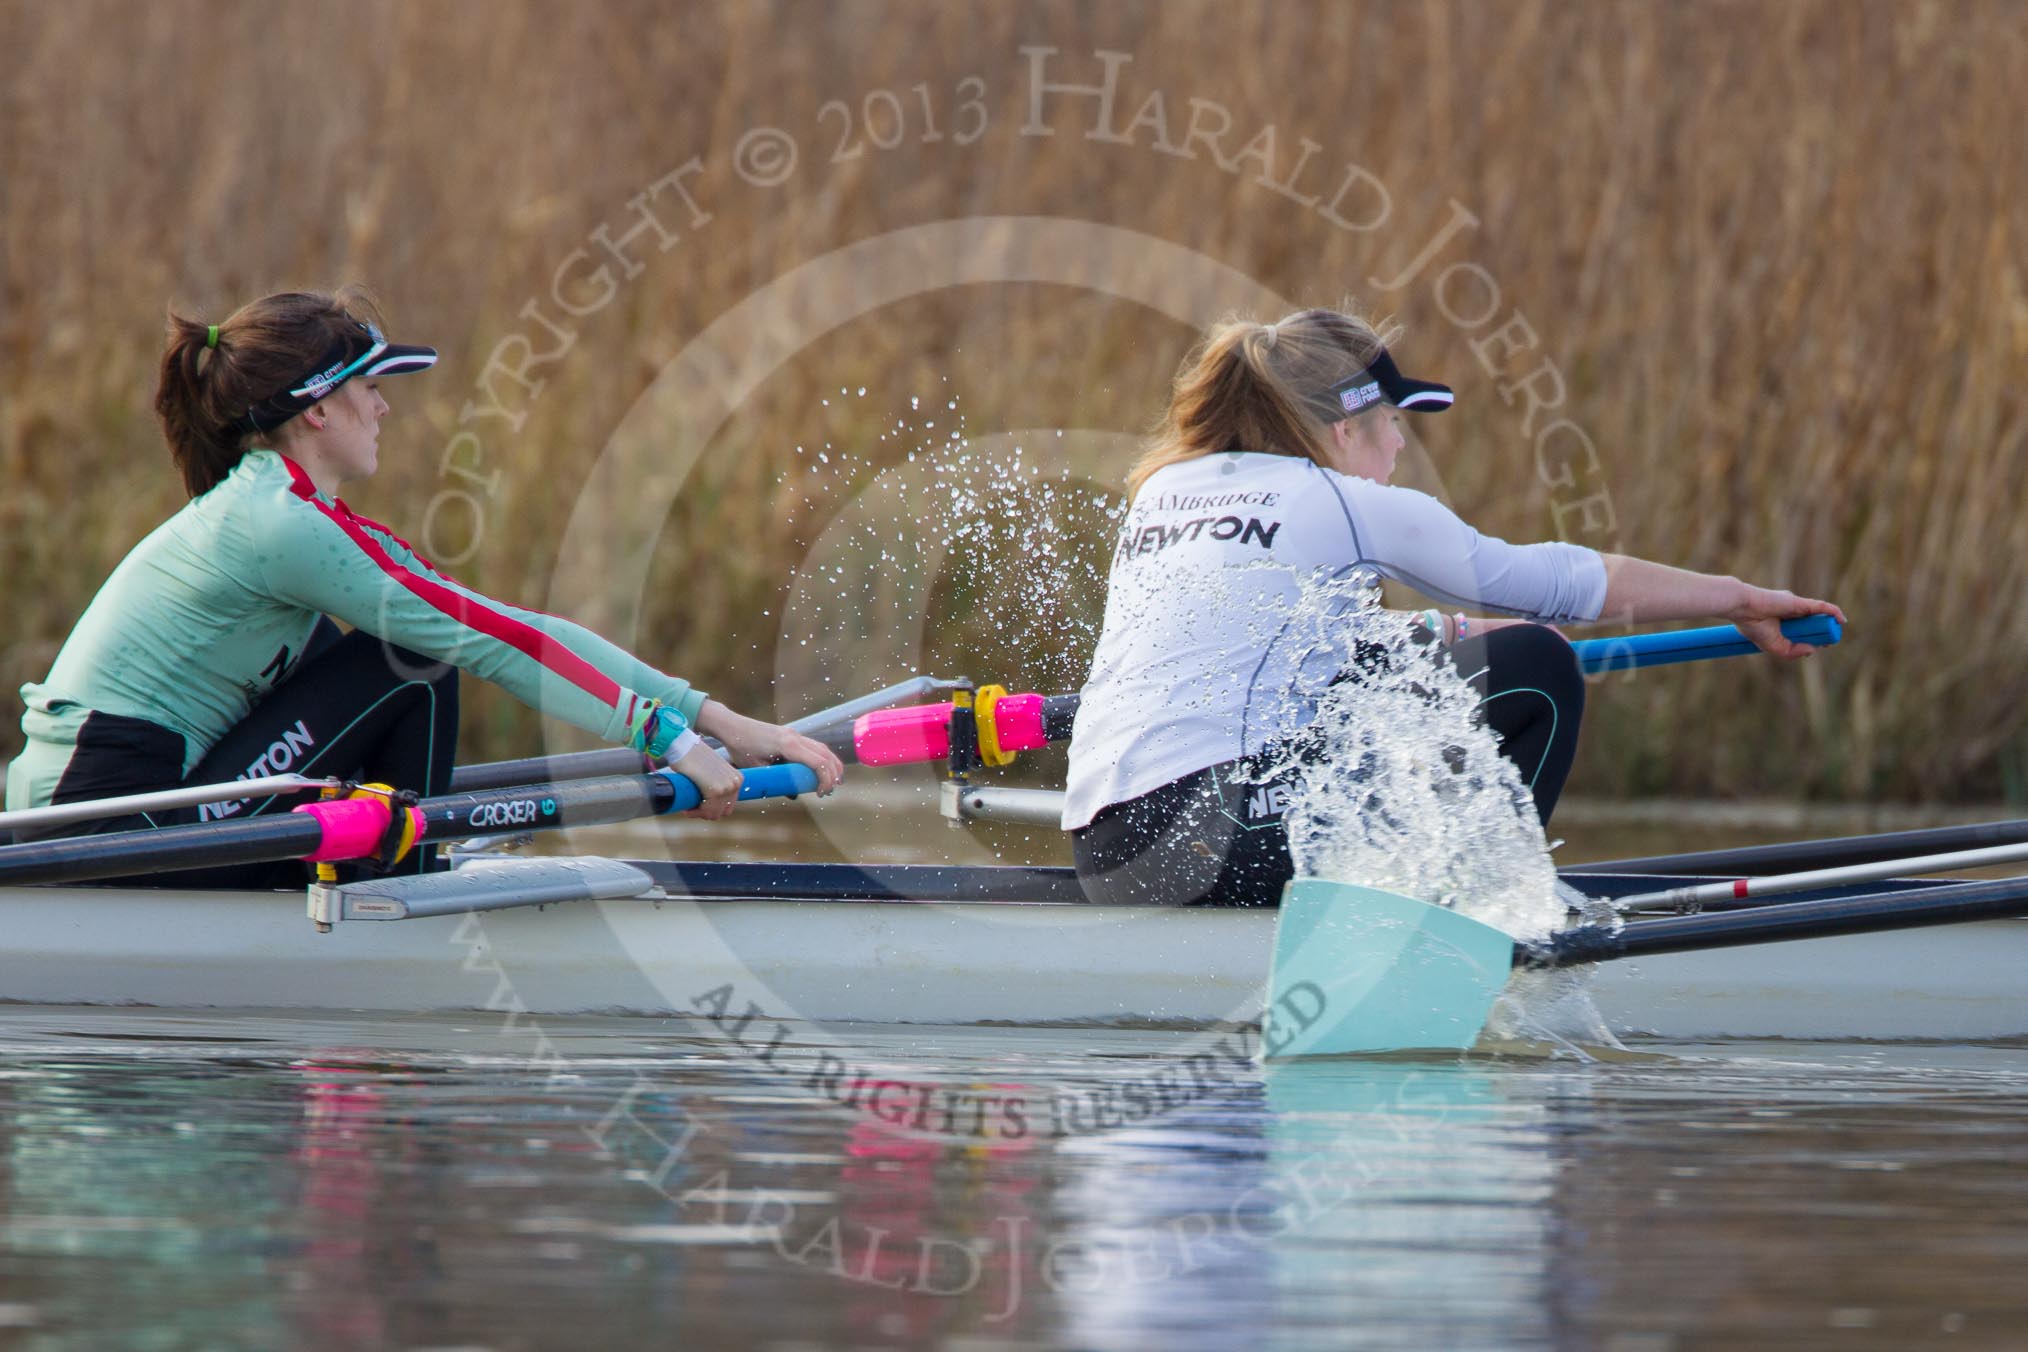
{"points": [[1019, 721], [353, 827], [903, 736]]}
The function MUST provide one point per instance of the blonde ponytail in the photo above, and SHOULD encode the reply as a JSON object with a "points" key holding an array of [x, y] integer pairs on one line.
{"points": [[1250, 386]]}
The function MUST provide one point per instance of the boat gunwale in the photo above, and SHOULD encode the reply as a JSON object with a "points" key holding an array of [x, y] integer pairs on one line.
{"points": [[719, 882]]}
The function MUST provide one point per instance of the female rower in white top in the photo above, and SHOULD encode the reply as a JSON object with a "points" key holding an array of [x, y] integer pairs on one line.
{"points": [[1269, 476]]}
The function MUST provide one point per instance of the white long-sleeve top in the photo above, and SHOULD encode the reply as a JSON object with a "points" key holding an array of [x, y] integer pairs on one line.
{"points": [[1213, 629]]}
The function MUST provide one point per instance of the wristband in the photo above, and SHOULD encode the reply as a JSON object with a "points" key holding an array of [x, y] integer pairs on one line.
{"points": [[1463, 625], [659, 729]]}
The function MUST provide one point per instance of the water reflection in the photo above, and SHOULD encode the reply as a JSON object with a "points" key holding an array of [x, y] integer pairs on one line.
{"points": [[411, 1182]]}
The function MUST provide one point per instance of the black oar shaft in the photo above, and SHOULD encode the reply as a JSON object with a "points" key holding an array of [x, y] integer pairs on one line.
{"points": [[1792, 920], [550, 769], [1799, 856], [120, 854], [536, 807], [293, 835]]}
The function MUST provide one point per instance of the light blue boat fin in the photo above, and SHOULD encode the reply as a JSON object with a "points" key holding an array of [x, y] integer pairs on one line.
{"points": [[1360, 970]]}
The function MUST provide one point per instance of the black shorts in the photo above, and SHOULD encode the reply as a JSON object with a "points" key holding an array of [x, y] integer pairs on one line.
{"points": [[1216, 837], [356, 707]]}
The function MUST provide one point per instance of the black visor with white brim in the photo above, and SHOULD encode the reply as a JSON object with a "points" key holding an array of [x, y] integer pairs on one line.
{"points": [[1382, 383], [361, 350]]}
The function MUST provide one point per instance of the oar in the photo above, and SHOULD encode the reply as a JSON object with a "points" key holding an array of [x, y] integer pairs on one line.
{"points": [[832, 726], [1597, 655], [1836, 852], [607, 760], [1006, 724], [344, 828], [355, 828], [1696, 896], [1356, 969], [2003, 899], [1028, 722], [161, 800], [595, 802]]}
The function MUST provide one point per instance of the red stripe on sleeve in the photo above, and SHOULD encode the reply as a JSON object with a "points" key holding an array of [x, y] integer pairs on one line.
{"points": [[522, 637], [371, 524]]}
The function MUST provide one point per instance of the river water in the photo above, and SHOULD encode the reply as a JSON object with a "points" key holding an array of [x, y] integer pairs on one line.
{"points": [[269, 1179], [199, 1181]]}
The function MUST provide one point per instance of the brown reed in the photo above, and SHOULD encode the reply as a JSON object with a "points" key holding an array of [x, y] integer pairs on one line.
{"points": [[1774, 250]]}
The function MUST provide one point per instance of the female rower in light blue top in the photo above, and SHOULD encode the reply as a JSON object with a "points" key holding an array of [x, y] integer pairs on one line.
{"points": [[210, 653]]}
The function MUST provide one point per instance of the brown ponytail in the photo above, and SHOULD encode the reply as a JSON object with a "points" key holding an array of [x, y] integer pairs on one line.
{"points": [[207, 386], [1250, 386]]}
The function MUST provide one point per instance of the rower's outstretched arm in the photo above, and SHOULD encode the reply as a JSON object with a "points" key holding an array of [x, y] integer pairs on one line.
{"points": [[1638, 591], [324, 557]]}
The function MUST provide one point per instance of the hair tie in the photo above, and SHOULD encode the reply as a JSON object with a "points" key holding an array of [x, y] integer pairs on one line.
{"points": [[211, 336], [1273, 332]]}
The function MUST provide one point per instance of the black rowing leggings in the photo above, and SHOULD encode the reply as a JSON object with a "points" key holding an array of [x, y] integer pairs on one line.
{"points": [[1216, 837], [356, 707]]}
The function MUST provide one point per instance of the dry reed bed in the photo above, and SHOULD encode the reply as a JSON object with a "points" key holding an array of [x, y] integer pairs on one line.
{"points": [[1774, 250]]}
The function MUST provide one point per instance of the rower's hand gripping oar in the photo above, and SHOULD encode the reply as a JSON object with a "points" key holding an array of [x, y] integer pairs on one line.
{"points": [[832, 726], [763, 781], [1596, 656]]}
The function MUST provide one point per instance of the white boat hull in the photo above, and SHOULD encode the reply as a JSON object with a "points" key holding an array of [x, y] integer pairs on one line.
{"points": [[914, 962]]}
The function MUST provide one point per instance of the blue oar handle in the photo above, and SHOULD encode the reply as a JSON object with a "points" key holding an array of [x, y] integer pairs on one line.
{"points": [[766, 781], [1693, 645]]}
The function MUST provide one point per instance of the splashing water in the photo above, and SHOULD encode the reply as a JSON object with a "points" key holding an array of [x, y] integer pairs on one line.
{"points": [[993, 547], [1397, 785]]}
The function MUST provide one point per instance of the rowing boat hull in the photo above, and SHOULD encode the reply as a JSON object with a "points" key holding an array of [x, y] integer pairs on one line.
{"points": [[914, 962]]}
